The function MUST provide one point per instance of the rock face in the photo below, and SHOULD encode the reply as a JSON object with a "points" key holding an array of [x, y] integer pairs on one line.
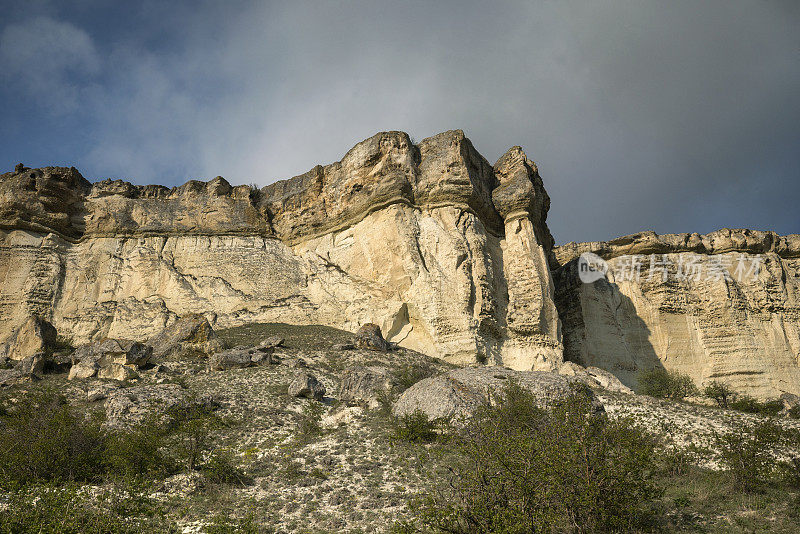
{"points": [[34, 336], [702, 312], [443, 251]]}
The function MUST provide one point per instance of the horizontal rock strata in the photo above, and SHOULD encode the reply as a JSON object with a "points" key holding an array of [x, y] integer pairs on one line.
{"points": [[701, 310]]}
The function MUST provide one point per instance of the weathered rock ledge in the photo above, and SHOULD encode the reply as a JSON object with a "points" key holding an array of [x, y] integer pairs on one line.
{"points": [[386, 169], [718, 242]]}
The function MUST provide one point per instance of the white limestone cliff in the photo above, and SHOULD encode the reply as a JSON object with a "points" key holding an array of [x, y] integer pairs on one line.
{"points": [[409, 237], [738, 327]]}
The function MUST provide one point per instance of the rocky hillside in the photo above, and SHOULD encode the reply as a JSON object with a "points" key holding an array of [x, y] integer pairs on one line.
{"points": [[448, 254], [311, 429]]}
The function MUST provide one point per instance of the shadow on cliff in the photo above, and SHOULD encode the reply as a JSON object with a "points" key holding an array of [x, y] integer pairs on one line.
{"points": [[602, 327], [640, 354]]}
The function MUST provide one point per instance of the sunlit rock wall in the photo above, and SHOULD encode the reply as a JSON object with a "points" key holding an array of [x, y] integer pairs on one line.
{"points": [[447, 253]]}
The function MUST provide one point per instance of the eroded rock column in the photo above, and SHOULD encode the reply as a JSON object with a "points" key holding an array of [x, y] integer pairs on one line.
{"points": [[534, 336]]}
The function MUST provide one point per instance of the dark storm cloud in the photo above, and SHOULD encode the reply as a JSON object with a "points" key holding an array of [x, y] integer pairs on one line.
{"points": [[672, 116]]}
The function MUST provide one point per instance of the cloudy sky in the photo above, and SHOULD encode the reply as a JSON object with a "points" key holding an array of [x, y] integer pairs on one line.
{"points": [[675, 116]]}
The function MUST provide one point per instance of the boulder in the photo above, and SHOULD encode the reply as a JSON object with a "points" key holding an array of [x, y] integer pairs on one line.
{"points": [[271, 342], [32, 366], [608, 381], [109, 358], [108, 351], [265, 351], [369, 337], [230, 359], [100, 391], [190, 333], [306, 385], [82, 370], [594, 377], [116, 371], [35, 335], [361, 386], [458, 394], [9, 377], [263, 356]]}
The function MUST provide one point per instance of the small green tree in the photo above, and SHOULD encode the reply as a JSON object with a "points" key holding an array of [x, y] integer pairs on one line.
{"points": [[189, 433], [721, 392], [415, 427], [748, 452], [310, 423], [525, 469], [748, 404], [666, 384]]}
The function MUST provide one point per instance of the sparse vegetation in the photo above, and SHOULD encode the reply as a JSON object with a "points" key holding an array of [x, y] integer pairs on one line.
{"points": [[726, 397], [416, 427], [747, 404], [530, 470], [262, 460], [66, 510], [720, 392], [665, 384], [749, 453]]}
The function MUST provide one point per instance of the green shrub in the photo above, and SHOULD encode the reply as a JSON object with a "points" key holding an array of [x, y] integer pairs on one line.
{"points": [[790, 471], [135, 453], [416, 427], [64, 510], [310, 423], [679, 462], [721, 392], [748, 452], [43, 441], [524, 469], [220, 468], [666, 384], [162, 445], [386, 398], [747, 404]]}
